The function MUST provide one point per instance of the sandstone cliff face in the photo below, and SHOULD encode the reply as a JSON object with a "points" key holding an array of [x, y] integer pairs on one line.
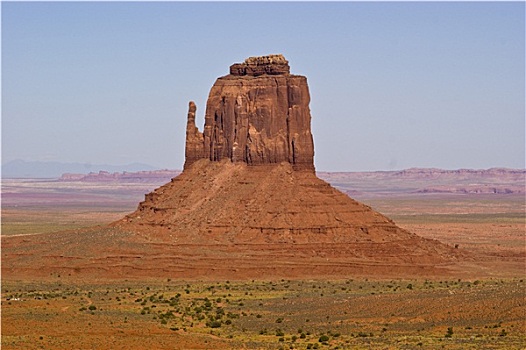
{"points": [[258, 114]]}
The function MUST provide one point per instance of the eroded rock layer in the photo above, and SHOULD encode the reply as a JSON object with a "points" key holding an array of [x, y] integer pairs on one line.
{"points": [[234, 203], [258, 114]]}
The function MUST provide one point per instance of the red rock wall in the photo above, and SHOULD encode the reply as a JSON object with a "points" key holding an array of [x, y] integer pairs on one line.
{"points": [[257, 119]]}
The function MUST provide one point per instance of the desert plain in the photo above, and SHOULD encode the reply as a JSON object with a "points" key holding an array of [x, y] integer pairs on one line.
{"points": [[479, 303]]}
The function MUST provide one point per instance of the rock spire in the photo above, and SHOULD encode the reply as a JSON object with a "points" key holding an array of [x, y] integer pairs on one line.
{"points": [[258, 114]]}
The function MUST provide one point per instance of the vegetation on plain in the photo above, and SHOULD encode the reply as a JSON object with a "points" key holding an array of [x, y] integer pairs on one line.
{"points": [[289, 314]]}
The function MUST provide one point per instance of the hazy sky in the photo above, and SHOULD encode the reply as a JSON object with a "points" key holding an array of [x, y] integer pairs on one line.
{"points": [[393, 85]]}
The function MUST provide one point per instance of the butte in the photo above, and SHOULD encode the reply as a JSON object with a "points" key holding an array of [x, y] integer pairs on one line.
{"points": [[247, 205]]}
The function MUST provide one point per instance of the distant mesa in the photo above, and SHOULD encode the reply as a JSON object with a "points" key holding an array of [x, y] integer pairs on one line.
{"points": [[41, 169], [129, 177]]}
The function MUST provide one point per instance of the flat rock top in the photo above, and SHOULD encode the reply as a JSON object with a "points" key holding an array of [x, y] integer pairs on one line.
{"points": [[263, 60], [259, 65]]}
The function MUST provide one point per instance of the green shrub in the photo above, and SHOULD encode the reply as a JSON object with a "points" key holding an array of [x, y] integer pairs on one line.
{"points": [[449, 332], [214, 324], [323, 338]]}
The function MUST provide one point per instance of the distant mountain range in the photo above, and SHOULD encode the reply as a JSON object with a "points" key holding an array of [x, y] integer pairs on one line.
{"points": [[414, 180], [355, 184], [430, 180], [145, 176], [27, 169]]}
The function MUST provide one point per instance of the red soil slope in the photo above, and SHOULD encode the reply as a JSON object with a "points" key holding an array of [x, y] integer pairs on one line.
{"points": [[231, 220]]}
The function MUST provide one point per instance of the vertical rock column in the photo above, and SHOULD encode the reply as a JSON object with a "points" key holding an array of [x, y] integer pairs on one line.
{"points": [[194, 139]]}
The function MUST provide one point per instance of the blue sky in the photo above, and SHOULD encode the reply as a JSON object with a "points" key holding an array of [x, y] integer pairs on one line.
{"points": [[393, 84]]}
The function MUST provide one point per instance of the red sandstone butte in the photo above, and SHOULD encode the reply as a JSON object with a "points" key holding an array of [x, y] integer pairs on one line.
{"points": [[258, 114], [247, 205]]}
